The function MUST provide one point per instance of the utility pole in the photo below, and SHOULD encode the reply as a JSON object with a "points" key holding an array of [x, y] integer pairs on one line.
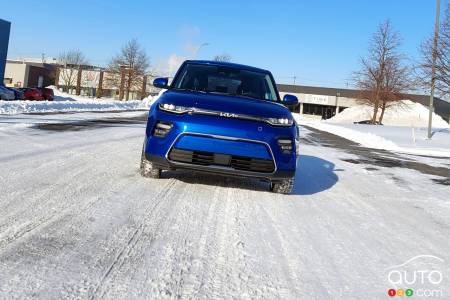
{"points": [[295, 77], [433, 67]]}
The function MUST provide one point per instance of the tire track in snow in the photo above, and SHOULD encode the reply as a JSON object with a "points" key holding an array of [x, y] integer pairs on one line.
{"points": [[132, 240], [286, 256], [199, 264], [177, 244], [178, 255], [43, 219], [45, 198], [234, 269], [69, 147], [34, 211]]}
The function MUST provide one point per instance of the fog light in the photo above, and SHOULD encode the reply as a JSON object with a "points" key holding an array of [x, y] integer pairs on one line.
{"points": [[285, 145], [162, 129]]}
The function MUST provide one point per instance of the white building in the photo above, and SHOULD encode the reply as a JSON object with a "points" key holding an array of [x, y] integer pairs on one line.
{"points": [[91, 76], [24, 73], [324, 102]]}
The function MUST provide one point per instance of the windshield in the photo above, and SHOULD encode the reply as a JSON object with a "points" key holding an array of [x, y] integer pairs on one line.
{"points": [[226, 80]]}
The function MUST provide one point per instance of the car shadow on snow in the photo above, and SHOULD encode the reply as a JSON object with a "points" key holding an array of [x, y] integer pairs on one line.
{"points": [[314, 175]]}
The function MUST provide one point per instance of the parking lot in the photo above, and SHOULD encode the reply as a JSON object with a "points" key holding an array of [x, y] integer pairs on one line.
{"points": [[79, 221]]}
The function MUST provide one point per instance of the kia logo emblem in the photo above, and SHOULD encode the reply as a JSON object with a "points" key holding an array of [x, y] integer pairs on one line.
{"points": [[228, 115]]}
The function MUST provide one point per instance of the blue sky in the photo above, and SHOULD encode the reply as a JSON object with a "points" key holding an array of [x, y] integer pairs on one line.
{"points": [[320, 42]]}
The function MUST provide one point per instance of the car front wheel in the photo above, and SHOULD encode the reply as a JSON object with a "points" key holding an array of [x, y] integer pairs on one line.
{"points": [[282, 187], [148, 169]]}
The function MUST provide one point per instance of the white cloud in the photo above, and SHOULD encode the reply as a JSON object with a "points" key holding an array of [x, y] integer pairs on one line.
{"points": [[169, 65], [174, 62]]}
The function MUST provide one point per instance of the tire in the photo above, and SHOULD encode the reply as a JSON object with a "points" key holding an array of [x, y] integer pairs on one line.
{"points": [[282, 187], [148, 170]]}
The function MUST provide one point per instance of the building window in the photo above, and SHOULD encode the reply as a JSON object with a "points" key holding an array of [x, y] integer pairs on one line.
{"points": [[325, 111], [341, 109]]}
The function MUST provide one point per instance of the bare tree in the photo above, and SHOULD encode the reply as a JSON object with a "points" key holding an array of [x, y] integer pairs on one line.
{"points": [[222, 57], [396, 81], [382, 77], [132, 64], [442, 75], [70, 62]]}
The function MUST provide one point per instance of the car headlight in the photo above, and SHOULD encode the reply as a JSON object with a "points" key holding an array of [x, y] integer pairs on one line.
{"points": [[280, 121], [174, 108]]}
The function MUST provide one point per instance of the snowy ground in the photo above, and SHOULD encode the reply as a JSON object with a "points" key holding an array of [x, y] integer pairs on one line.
{"points": [[403, 139], [77, 220], [64, 102], [402, 113], [404, 130]]}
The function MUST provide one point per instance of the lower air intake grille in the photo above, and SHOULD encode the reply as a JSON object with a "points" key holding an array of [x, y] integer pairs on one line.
{"points": [[195, 157], [252, 164], [233, 161]]}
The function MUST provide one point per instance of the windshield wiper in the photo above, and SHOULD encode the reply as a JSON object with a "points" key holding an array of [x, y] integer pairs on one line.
{"points": [[187, 90], [232, 94], [245, 96]]}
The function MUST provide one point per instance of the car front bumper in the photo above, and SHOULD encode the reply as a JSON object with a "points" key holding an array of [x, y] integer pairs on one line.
{"points": [[220, 145]]}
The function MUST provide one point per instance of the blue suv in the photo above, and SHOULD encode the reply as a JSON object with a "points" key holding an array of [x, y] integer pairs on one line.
{"points": [[223, 118]]}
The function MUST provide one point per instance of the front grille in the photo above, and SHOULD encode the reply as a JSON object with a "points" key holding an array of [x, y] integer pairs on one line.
{"points": [[252, 164], [236, 162], [195, 157]]}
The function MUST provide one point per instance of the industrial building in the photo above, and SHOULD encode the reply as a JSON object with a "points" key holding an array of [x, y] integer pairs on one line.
{"points": [[25, 73], [325, 102], [91, 79], [5, 28]]}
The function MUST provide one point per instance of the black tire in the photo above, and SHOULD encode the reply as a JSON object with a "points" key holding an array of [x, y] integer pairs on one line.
{"points": [[282, 187], [148, 170]]}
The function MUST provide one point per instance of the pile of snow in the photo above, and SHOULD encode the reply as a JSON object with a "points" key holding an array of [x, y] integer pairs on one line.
{"points": [[400, 139], [148, 101], [64, 102], [403, 113]]}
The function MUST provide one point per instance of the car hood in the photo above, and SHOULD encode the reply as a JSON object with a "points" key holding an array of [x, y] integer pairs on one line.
{"points": [[225, 103]]}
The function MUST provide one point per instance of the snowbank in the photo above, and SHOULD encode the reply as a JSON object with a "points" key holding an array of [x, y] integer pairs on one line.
{"points": [[404, 113], [401, 139], [64, 102]]}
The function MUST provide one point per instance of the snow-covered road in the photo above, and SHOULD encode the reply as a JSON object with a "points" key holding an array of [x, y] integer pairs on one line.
{"points": [[77, 221]]}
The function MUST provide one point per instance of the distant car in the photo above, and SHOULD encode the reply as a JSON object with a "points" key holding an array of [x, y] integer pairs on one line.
{"points": [[47, 93], [32, 94], [6, 94], [18, 95], [367, 122]]}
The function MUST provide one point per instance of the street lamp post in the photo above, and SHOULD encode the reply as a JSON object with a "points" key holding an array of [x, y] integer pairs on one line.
{"points": [[433, 68], [200, 47]]}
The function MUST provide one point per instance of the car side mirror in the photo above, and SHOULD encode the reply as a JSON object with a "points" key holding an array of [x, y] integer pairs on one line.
{"points": [[290, 100], [162, 83]]}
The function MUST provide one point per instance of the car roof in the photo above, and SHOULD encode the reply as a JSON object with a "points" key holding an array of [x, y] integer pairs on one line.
{"points": [[226, 64]]}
